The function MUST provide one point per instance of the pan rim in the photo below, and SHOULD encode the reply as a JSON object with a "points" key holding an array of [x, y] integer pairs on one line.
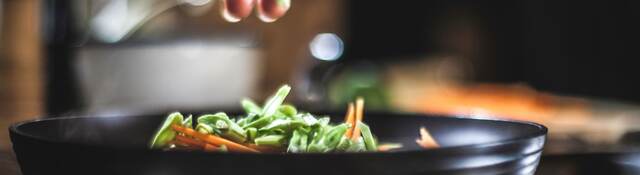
{"points": [[541, 131]]}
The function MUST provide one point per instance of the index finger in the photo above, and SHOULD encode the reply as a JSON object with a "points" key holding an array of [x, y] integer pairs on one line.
{"points": [[236, 10], [271, 10]]}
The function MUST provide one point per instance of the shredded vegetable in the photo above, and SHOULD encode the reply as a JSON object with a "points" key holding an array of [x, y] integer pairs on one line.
{"points": [[274, 127]]}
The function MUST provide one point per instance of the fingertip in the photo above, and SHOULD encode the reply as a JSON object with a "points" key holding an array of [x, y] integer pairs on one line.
{"points": [[272, 10], [236, 10]]}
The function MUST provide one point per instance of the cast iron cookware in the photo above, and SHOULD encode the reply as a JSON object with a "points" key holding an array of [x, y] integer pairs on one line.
{"points": [[118, 145]]}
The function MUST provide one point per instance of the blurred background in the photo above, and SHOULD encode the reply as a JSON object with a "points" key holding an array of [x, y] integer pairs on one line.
{"points": [[568, 65]]}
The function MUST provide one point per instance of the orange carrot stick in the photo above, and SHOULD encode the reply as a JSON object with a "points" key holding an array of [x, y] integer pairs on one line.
{"points": [[388, 147], [189, 141], [359, 113], [426, 140], [210, 148], [214, 140], [350, 118]]}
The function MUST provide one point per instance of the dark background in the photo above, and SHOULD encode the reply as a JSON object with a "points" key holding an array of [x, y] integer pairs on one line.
{"points": [[580, 48]]}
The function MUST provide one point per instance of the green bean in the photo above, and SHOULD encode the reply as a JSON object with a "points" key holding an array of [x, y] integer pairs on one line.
{"points": [[252, 133], [259, 123], [284, 124], [270, 140], [308, 119], [344, 144], [228, 128], [188, 123], [294, 143], [357, 146], [288, 110], [369, 140], [206, 129], [251, 107], [272, 105], [165, 134], [246, 120]]}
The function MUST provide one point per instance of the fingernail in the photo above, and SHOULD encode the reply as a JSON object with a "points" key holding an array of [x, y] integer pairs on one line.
{"points": [[284, 3], [271, 10], [235, 10]]}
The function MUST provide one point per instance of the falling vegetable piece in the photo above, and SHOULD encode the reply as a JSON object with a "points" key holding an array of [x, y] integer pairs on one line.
{"points": [[426, 140]]}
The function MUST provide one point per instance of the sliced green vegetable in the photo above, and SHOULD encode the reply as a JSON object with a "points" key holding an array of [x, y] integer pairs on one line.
{"points": [[324, 121], [246, 120], [284, 124], [279, 115], [294, 143], [259, 123], [270, 140], [272, 105], [165, 134], [288, 110], [302, 145], [323, 139], [206, 129], [251, 107], [228, 128], [357, 146], [333, 137], [344, 144], [188, 123], [309, 120], [252, 133], [369, 140]]}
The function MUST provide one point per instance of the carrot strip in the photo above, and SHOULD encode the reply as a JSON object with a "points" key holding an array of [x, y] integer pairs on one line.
{"points": [[183, 145], [214, 140], [210, 148], [350, 119], [384, 148], [388, 147], [359, 109], [189, 141], [426, 140]]}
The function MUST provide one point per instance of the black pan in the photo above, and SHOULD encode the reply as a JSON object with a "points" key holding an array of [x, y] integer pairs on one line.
{"points": [[118, 145]]}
